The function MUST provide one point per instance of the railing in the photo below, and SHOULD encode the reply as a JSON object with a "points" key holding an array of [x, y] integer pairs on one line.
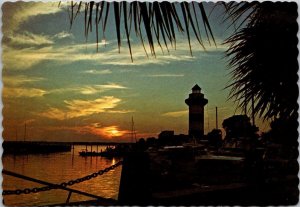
{"points": [[63, 186]]}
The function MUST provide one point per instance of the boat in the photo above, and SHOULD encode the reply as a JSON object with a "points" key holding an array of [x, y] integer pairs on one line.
{"points": [[86, 153], [116, 151]]}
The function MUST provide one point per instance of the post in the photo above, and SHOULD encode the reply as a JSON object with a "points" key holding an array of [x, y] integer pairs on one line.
{"points": [[217, 118], [136, 179], [69, 196], [207, 120]]}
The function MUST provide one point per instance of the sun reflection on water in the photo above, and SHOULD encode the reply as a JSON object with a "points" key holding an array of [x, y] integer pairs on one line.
{"points": [[57, 168]]}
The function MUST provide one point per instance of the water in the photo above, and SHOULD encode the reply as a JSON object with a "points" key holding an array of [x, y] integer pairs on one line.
{"points": [[57, 168]]}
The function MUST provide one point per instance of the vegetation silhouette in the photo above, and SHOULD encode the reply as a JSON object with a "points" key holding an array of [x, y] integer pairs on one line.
{"points": [[239, 126], [264, 66], [263, 61], [157, 20]]}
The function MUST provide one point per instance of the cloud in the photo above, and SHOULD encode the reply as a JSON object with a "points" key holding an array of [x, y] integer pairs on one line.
{"points": [[110, 131], [15, 87], [79, 108], [21, 59], [83, 108], [94, 129], [165, 75], [30, 39], [18, 59], [98, 72], [19, 80], [54, 113], [120, 111], [96, 125], [25, 58], [14, 13], [176, 113], [22, 92], [63, 35], [89, 89], [140, 58], [111, 86]]}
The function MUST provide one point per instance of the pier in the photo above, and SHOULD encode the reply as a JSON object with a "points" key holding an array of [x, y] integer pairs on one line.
{"points": [[41, 147], [34, 147]]}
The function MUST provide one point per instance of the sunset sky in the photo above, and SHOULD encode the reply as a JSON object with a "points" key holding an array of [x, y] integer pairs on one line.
{"points": [[56, 82]]}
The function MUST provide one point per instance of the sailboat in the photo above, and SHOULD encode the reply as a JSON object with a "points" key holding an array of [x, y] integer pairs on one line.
{"points": [[133, 132]]}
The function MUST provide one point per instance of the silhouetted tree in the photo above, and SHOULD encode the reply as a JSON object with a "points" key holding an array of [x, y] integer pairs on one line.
{"points": [[263, 60], [239, 126], [215, 138], [141, 144], [284, 132]]}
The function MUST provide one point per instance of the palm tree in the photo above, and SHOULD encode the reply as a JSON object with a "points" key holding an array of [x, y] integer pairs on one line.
{"points": [[263, 60], [262, 55]]}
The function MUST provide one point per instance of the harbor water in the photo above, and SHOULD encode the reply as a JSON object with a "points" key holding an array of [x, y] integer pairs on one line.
{"points": [[57, 168]]}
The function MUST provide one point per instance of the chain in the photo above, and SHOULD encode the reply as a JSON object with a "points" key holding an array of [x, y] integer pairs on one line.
{"points": [[64, 184]]}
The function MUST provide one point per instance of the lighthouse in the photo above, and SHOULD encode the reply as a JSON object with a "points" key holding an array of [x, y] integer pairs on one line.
{"points": [[196, 103]]}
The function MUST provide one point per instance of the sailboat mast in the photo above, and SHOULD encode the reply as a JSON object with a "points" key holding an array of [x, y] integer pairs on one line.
{"points": [[132, 129], [207, 120], [217, 118], [133, 134]]}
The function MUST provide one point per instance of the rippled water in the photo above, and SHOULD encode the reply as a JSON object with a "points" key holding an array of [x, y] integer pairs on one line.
{"points": [[57, 168]]}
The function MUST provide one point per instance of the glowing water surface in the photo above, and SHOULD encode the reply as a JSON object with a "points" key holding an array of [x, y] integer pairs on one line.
{"points": [[57, 168]]}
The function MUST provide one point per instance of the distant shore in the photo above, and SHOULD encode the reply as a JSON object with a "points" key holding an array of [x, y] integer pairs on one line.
{"points": [[68, 143]]}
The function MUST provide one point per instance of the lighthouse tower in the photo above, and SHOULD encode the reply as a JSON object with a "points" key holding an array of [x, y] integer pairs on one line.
{"points": [[196, 103]]}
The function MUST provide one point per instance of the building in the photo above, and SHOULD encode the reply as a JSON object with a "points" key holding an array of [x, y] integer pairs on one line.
{"points": [[166, 134], [196, 103], [166, 138]]}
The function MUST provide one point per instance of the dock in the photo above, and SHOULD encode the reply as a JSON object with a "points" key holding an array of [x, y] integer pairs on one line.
{"points": [[34, 147]]}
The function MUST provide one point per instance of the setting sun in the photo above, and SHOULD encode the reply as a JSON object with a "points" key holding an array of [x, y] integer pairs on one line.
{"points": [[114, 132]]}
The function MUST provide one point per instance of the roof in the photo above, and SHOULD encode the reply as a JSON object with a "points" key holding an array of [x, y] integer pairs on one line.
{"points": [[196, 87]]}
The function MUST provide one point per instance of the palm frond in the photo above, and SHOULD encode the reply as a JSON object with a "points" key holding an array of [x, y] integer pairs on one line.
{"points": [[126, 28], [156, 21], [186, 25], [117, 22], [263, 60]]}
